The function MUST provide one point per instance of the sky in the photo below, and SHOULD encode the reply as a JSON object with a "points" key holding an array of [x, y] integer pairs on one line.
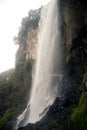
{"points": [[11, 14]]}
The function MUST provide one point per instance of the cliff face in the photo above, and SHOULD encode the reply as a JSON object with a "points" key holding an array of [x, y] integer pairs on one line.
{"points": [[31, 44], [28, 37], [73, 17], [61, 115], [28, 48], [74, 34]]}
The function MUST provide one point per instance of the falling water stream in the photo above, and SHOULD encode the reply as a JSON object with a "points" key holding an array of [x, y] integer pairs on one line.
{"points": [[45, 84]]}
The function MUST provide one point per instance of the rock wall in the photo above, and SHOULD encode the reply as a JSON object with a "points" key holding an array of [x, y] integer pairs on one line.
{"points": [[27, 38], [31, 44]]}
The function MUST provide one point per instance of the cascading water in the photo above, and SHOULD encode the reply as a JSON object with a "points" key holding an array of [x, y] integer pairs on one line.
{"points": [[45, 84]]}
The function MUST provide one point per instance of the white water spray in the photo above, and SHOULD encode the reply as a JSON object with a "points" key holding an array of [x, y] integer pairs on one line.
{"points": [[45, 84], [44, 91]]}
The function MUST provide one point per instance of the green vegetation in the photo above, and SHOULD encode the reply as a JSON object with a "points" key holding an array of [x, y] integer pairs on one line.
{"points": [[15, 92], [31, 21], [15, 84], [68, 57], [79, 115], [5, 118]]}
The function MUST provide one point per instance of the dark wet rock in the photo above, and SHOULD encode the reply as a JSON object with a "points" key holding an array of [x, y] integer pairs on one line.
{"points": [[9, 126]]}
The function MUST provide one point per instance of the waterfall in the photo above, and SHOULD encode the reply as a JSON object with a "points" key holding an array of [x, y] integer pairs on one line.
{"points": [[45, 84], [44, 89]]}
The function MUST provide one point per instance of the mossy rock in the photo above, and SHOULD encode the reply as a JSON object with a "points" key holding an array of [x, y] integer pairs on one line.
{"points": [[79, 115], [6, 117]]}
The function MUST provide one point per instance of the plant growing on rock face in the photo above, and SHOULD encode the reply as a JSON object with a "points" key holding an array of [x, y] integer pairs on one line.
{"points": [[4, 120], [79, 115], [6, 117]]}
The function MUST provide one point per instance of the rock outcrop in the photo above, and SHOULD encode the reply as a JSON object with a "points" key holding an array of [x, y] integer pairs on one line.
{"points": [[32, 44]]}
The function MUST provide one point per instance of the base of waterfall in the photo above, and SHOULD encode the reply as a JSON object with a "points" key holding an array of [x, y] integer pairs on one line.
{"points": [[57, 107], [60, 112], [57, 112]]}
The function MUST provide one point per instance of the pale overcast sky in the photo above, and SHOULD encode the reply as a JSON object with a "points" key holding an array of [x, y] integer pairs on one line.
{"points": [[11, 13]]}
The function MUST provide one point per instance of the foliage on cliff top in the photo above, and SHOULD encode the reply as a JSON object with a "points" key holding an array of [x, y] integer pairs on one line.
{"points": [[30, 21]]}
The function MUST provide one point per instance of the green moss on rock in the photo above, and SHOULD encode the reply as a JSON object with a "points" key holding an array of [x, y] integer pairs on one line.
{"points": [[79, 115]]}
